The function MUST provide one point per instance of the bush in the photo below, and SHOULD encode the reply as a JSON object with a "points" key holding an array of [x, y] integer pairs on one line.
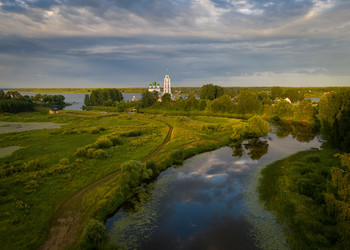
{"points": [[100, 154], [80, 152], [64, 161], [32, 165], [79, 161], [178, 157], [257, 127], [94, 130], [116, 140], [90, 153], [133, 133], [239, 130], [93, 234], [104, 143]]}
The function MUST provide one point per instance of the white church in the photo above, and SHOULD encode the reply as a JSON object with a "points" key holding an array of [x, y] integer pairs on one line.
{"points": [[153, 86]]}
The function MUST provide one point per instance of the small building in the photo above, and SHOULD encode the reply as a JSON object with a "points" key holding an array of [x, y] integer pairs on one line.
{"points": [[53, 111]]}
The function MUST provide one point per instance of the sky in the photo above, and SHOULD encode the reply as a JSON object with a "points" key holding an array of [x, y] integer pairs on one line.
{"points": [[129, 43]]}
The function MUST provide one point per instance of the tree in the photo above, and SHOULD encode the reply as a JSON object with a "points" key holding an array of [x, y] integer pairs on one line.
{"points": [[87, 100], [257, 127], [248, 103], [293, 94], [149, 98], [202, 104], [211, 92], [166, 98], [135, 172], [304, 111], [191, 102], [222, 104], [334, 116], [338, 200], [282, 109], [276, 92]]}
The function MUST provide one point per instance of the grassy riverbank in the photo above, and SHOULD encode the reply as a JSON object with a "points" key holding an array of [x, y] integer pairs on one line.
{"points": [[293, 189], [45, 179]]}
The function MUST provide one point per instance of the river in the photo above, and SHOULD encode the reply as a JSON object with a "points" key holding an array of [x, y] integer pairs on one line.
{"points": [[210, 202]]}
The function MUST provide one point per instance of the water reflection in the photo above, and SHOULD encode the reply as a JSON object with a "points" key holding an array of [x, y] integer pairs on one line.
{"points": [[300, 131], [210, 202]]}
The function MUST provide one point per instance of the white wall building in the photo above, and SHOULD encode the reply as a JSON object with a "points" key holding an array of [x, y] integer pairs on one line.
{"points": [[167, 84]]}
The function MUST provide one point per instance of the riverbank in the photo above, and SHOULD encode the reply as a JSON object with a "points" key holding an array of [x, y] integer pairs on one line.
{"points": [[293, 189]]}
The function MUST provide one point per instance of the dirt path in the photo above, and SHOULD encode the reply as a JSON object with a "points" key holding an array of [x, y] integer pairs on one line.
{"points": [[66, 223]]}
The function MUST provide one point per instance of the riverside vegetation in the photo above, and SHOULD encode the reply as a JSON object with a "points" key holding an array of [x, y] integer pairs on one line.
{"points": [[85, 167]]}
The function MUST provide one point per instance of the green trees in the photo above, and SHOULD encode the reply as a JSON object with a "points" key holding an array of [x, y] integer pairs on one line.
{"points": [[94, 233], [293, 94], [338, 201], [148, 98], [136, 172], [166, 98], [222, 104], [248, 103], [334, 116], [304, 111], [103, 97], [13, 102], [255, 127], [276, 92], [282, 109], [211, 92], [191, 103]]}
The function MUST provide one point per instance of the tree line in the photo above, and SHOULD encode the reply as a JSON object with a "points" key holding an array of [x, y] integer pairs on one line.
{"points": [[103, 97]]}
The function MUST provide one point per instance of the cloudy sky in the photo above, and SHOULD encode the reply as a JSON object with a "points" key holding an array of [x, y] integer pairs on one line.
{"points": [[128, 43]]}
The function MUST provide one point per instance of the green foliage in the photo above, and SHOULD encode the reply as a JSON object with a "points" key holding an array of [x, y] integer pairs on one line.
{"points": [[103, 97], [135, 172], [103, 142], [304, 111], [293, 189], [334, 116], [222, 104], [239, 130], [211, 92], [282, 109], [338, 197], [202, 104], [64, 161], [191, 103], [94, 233], [100, 154], [15, 105], [248, 103], [276, 92], [149, 98], [81, 152], [257, 127], [178, 157], [166, 98], [293, 94]]}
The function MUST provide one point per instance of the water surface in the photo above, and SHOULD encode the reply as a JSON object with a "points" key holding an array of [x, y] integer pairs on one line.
{"points": [[210, 202]]}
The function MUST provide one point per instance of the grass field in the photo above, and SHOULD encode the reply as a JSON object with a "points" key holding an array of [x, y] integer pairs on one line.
{"points": [[44, 180]]}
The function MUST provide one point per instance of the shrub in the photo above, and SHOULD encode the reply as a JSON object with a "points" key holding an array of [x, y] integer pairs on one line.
{"points": [[116, 140], [94, 130], [133, 133], [31, 186], [64, 161], [79, 161], [80, 152], [93, 234], [104, 143], [90, 153], [239, 130], [178, 157], [257, 127], [100, 154], [32, 165]]}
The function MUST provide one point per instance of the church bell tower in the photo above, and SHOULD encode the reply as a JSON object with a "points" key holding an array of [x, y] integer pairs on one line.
{"points": [[167, 84]]}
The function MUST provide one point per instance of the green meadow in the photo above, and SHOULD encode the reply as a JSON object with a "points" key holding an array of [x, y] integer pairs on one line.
{"points": [[72, 173]]}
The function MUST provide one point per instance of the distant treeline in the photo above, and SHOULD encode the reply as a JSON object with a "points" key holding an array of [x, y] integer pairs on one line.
{"points": [[13, 102], [103, 97], [308, 91]]}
